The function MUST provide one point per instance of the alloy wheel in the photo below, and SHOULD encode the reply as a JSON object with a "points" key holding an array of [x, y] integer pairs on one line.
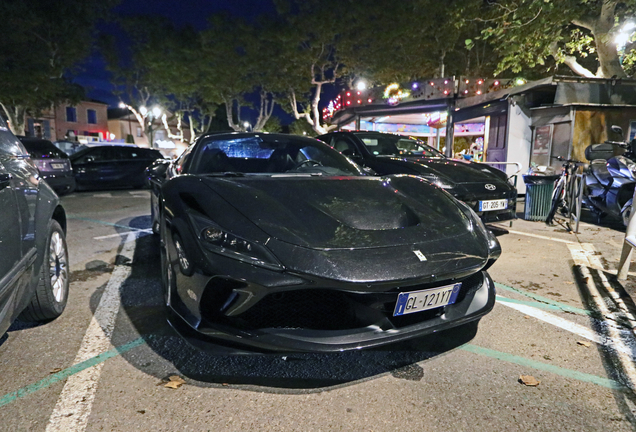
{"points": [[58, 266]]}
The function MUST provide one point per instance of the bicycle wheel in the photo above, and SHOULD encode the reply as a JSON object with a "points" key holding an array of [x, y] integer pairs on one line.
{"points": [[557, 200]]}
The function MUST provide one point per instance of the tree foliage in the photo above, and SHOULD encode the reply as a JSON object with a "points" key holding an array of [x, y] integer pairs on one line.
{"points": [[580, 34], [42, 42], [152, 66]]}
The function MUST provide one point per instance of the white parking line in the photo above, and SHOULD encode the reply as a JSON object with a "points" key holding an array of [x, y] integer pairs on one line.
{"points": [[577, 329], [76, 400], [539, 236], [585, 256]]}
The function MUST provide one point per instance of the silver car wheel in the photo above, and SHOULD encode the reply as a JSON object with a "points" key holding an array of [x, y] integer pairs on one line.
{"points": [[58, 265], [185, 264]]}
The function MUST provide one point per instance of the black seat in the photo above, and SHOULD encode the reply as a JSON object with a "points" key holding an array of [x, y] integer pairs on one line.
{"points": [[280, 161], [213, 161]]}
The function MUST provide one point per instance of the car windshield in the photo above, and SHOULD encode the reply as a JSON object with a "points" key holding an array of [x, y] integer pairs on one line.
{"points": [[39, 149], [395, 145], [269, 155]]}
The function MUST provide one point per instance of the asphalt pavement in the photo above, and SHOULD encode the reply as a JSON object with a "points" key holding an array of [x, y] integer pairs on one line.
{"points": [[556, 354]]}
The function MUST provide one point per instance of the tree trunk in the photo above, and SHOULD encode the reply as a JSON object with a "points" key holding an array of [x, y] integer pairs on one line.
{"points": [[17, 118], [609, 62], [229, 111]]}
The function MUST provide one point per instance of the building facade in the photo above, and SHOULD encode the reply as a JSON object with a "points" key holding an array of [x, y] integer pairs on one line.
{"points": [[85, 121]]}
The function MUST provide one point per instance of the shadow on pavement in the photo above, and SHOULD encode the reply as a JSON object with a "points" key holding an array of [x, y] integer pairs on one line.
{"points": [[165, 353]]}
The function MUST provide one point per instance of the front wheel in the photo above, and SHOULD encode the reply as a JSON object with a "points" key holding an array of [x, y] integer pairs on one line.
{"points": [[51, 294], [556, 203]]}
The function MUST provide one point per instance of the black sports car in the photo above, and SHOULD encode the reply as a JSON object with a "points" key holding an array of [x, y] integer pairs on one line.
{"points": [[281, 243], [484, 188]]}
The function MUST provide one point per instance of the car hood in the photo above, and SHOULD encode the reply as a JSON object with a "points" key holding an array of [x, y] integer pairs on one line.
{"points": [[347, 212], [455, 171]]}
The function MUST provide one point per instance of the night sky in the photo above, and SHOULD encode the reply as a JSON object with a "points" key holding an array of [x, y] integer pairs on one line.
{"points": [[93, 75]]}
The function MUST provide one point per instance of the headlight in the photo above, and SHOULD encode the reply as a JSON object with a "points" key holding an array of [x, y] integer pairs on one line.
{"points": [[220, 241], [475, 223]]}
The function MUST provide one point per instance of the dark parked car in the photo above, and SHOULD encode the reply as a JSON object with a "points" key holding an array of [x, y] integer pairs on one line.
{"points": [[484, 188], [34, 274], [112, 166], [69, 147], [281, 243], [53, 164]]}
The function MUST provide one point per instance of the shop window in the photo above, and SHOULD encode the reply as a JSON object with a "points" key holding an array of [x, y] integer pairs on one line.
{"points": [[71, 114], [91, 116]]}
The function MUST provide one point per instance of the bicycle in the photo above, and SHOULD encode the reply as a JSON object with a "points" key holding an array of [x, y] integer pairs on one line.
{"points": [[566, 191]]}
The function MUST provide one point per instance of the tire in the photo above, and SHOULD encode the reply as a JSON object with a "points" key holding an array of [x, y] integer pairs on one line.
{"points": [[50, 297], [154, 218], [556, 202], [167, 273]]}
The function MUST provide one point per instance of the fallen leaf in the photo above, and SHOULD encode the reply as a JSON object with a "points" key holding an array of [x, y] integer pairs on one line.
{"points": [[584, 343], [56, 370], [526, 317], [547, 357], [529, 380], [141, 411], [175, 381], [225, 384]]}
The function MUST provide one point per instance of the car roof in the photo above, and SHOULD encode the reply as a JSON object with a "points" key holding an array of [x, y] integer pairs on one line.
{"points": [[33, 140]]}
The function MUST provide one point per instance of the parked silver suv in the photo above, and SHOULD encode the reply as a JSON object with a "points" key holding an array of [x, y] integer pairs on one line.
{"points": [[34, 275]]}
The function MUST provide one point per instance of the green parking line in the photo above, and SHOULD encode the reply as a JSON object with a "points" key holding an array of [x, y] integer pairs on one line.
{"points": [[522, 361], [534, 304], [59, 376], [100, 358], [545, 300]]}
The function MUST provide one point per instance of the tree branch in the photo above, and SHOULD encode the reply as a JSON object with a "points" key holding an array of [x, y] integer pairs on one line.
{"points": [[294, 105], [570, 61]]}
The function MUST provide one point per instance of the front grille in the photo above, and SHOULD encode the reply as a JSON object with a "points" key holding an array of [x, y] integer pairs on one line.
{"points": [[325, 309], [315, 309]]}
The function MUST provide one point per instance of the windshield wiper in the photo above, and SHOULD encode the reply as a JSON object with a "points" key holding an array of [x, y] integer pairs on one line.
{"points": [[298, 174], [226, 174]]}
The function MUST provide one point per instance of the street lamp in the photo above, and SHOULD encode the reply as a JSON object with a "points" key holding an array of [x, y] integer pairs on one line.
{"points": [[247, 126], [362, 85], [152, 114]]}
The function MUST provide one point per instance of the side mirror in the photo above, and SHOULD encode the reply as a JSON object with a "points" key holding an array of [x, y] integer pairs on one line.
{"points": [[157, 171], [617, 130]]}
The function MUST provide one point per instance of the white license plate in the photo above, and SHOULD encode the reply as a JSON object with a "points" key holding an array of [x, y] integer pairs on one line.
{"points": [[418, 301], [57, 166], [493, 205]]}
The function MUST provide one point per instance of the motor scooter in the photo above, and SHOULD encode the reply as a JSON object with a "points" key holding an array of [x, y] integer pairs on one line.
{"points": [[610, 178]]}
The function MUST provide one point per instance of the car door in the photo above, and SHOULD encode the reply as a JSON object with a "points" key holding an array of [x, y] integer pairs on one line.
{"points": [[133, 161], [15, 257], [97, 167]]}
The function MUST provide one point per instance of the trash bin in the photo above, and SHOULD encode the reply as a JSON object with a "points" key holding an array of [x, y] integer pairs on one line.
{"points": [[538, 196]]}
